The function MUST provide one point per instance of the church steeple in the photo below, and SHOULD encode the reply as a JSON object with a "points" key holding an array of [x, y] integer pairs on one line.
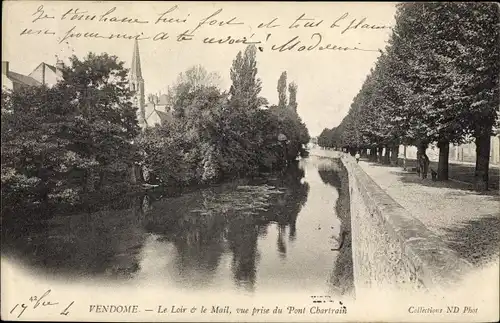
{"points": [[135, 71], [137, 86]]}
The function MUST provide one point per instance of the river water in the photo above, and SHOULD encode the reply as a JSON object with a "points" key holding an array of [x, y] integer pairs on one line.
{"points": [[247, 236]]}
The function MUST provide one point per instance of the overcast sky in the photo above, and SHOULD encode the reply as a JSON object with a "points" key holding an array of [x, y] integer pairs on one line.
{"points": [[327, 79]]}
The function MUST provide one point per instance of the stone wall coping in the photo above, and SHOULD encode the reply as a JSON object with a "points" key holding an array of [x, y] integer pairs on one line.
{"points": [[440, 265]]}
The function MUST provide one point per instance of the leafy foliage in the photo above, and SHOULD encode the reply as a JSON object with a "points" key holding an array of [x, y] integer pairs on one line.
{"points": [[222, 135], [435, 81], [74, 139], [292, 90], [80, 139], [282, 90]]}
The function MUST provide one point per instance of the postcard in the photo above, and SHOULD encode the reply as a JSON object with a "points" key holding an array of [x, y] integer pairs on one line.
{"points": [[250, 161]]}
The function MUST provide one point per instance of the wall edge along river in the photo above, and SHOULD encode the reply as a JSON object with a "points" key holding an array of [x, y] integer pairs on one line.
{"points": [[391, 249]]}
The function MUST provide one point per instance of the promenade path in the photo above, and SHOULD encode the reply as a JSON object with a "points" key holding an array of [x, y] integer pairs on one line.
{"points": [[469, 222], [461, 172]]}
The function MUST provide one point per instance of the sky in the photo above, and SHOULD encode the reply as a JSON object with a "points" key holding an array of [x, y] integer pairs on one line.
{"points": [[35, 32]]}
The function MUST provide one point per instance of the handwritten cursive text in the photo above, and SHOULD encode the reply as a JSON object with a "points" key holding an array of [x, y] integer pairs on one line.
{"points": [[296, 44], [36, 302]]}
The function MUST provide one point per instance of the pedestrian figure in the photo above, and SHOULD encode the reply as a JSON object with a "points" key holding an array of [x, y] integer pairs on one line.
{"points": [[357, 156], [434, 175], [424, 165]]}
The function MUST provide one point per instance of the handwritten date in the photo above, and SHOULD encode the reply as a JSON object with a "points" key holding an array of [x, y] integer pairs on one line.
{"points": [[36, 302]]}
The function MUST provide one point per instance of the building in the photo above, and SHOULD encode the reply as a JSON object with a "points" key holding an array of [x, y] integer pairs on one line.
{"points": [[48, 74], [43, 74], [156, 111], [137, 86]]}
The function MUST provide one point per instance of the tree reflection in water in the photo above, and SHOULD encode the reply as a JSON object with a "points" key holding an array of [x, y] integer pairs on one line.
{"points": [[242, 237], [202, 226], [104, 243], [229, 218], [333, 173]]}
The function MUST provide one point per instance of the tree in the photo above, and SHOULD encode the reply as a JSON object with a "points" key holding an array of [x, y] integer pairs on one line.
{"points": [[435, 82], [452, 64], [32, 120], [104, 120], [246, 86], [292, 90], [325, 138], [61, 144], [290, 124], [193, 79], [472, 54], [215, 135], [422, 74], [183, 151], [282, 90]]}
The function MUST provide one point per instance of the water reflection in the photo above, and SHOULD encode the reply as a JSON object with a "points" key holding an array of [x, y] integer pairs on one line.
{"points": [[244, 235], [228, 220], [105, 243], [342, 276]]}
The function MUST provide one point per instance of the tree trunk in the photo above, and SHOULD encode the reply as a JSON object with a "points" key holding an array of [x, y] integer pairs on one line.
{"points": [[380, 152], [144, 175], [421, 165], [394, 155], [133, 177], [89, 181], [101, 179], [404, 157], [373, 154], [387, 156], [483, 143], [444, 155]]}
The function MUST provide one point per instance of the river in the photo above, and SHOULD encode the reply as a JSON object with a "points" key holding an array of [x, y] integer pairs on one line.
{"points": [[247, 236]]}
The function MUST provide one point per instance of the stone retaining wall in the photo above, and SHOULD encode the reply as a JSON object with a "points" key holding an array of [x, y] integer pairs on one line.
{"points": [[390, 247]]}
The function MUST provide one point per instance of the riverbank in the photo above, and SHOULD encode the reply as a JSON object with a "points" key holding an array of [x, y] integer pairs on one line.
{"points": [[332, 172], [465, 220]]}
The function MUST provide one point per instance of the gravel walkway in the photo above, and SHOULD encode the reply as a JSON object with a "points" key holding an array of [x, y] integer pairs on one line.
{"points": [[467, 221]]}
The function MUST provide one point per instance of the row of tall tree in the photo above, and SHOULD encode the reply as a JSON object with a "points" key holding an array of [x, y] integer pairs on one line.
{"points": [[435, 82], [215, 135], [79, 141]]}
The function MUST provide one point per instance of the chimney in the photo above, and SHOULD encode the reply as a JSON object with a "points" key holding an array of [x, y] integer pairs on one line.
{"points": [[59, 64], [59, 67], [5, 67]]}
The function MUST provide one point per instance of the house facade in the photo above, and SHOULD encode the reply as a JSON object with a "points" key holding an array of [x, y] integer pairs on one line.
{"points": [[149, 114], [43, 74]]}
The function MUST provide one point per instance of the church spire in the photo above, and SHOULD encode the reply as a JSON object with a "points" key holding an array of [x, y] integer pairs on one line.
{"points": [[135, 71], [137, 86]]}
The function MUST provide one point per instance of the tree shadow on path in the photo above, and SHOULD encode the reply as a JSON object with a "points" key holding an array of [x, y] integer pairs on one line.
{"points": [[477, 240], [463, 173], [412, 178]]}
